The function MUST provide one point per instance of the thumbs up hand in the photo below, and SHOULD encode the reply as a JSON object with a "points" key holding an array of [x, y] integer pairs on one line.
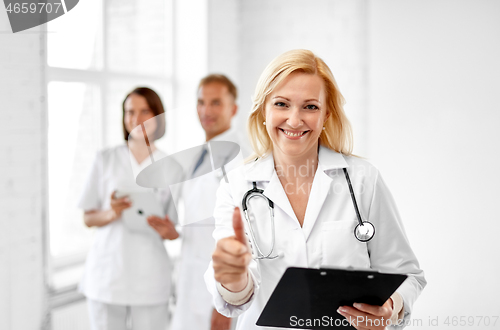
{"points": [[239, 228], [232, 256]]}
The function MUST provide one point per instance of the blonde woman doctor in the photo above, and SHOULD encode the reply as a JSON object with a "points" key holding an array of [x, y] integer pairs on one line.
{"points": [[303, 142]]}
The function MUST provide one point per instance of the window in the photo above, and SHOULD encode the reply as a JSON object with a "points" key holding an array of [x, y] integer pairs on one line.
{"points": [[75, 133], [96, 54]]}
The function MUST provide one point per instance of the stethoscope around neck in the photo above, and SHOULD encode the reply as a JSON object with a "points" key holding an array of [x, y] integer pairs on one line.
{"points": [[364, 230]]}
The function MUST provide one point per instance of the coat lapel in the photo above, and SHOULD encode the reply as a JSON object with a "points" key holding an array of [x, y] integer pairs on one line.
{"points": [[275, 192], [319, 191], [329, 162]]}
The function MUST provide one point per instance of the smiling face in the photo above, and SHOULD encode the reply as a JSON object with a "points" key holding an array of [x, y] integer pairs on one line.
{"points": [[295, 112], [137, 112]]}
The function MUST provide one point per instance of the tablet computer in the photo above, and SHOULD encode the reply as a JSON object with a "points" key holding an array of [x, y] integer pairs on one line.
{"points": [[144, 204], [316, 294]]}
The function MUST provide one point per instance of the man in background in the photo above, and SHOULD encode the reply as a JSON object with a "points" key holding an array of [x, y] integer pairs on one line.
{"points": [[194, 309]]}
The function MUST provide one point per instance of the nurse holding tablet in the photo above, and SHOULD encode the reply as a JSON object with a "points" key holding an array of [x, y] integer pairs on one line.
{"points": [[127, 278]]}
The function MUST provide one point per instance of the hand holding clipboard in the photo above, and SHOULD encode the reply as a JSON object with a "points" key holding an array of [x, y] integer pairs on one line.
{"points": [[368, 314], [316, 294]]}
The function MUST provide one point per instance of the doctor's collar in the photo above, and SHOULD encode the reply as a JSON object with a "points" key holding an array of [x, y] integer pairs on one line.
{"points": [[263, 168]]}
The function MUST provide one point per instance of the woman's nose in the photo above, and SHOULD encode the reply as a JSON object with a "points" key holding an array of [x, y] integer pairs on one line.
{"points": [[140, 119], [294, 120]]}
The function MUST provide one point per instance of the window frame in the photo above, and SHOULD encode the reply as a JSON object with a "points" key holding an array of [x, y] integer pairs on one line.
{"points": [[62, 296]]}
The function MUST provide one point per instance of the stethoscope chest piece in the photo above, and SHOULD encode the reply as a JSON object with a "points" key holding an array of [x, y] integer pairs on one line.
{"points": [[364, 231]]}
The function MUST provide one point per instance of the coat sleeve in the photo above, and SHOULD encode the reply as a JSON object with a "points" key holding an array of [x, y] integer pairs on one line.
{"points": [[223, 215], [390, 251]]}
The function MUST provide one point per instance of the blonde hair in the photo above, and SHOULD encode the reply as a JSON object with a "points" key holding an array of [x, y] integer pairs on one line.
{"points": [[337, 134]]}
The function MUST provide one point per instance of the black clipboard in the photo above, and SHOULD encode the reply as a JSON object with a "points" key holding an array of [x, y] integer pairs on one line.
{"points": [[311, 294]]}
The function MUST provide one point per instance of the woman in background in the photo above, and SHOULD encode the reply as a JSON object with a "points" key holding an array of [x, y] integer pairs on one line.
{"points": [[127, 278]]}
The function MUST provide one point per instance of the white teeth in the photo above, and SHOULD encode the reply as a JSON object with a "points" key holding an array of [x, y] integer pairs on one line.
{"points": [[293, 134]]}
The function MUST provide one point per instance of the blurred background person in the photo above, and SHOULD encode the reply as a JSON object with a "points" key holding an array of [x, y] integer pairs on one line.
{"points": [[194, 309], [127, 278]]}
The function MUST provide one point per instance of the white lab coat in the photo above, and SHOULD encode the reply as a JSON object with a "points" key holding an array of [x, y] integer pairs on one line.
{"points": [[194, 303], [123, 267], [326, 238]]}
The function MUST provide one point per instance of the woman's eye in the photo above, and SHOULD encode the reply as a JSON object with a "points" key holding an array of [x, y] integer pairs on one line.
{"points": [[280, 104], [311, 107]]}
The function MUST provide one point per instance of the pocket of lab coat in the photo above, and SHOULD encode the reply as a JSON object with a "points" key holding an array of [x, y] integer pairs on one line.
{"points": [[339, 246]]}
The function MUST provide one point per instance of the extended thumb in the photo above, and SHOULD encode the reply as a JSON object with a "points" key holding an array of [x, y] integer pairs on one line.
{"points": [[239, 229]]}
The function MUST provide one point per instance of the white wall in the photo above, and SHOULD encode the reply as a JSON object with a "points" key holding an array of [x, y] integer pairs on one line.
{"points": [[190, 65], [22, 189], [224, 38], [433, 132]]}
